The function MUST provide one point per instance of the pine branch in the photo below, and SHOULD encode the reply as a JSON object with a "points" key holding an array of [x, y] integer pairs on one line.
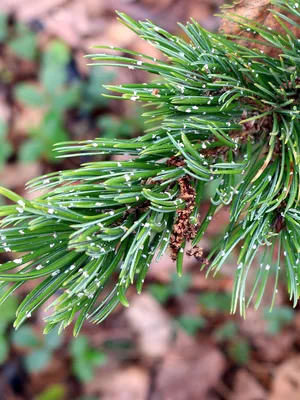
{"points": [[220, 113]]}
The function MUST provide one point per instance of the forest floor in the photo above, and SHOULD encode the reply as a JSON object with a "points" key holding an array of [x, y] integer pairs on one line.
{"points": [[177, 340]]}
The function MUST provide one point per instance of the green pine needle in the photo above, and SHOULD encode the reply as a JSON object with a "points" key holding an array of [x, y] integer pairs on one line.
{"points": [[219, 113]]}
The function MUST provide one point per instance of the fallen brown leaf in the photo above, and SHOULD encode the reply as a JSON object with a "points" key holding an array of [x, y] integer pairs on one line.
{"points": [[286, 384], [246, 387], [17, 175], [190, 370], [131, 383], [26, 119], [275, 348], [151, 324], [28, 10], [270, 348]]}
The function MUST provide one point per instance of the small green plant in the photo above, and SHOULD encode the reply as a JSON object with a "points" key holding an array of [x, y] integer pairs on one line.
{"points": [[239, 351], [54, 392], [6, 147], [85, 359], [92, 91], [38, 352], [112, 127], [54, 96], [20, 40], [215, 302], [236, 346], [177, 287], [278, 318], [191, 323], [7, 312], [220, 113]]}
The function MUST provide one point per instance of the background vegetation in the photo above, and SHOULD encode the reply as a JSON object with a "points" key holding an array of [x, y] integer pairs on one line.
{"points": [[181, 328]]}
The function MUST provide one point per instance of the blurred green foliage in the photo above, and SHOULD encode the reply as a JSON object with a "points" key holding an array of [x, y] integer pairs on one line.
{"points": [[278, 318], [7, 313], [22, 42], [92, 90], [55, 96], [236, 345], [177, 287], [239, 351], [85, 359], [215, 302], [191, 323], [56, 92], [53, 392], [3, 27], [39, 350], [6, 147], [112, 126], [226, 331]]}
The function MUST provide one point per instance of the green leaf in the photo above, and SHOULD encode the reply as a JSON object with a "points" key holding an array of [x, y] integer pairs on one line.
{"points": [[160, 292], [96, 358], [4, 349], [53, 340], [113, 128], [6, 148], [37, 360], [25, 337], [6, 151], [180, 285], [31, 150], [83, 370], [239, 351], [92, 92], [278, 318], [51, 131], [3, 27], [216, 302], [8, 311], [85, 359], [30, 95], [79, 346], [53, 79], [191, 324], [67, 99], [54, 392], [43, 138], [53, 74], [227, 331], [57, 53], [25, 44]]}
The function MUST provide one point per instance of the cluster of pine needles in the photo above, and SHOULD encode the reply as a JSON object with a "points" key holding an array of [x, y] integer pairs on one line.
{"points": [[220, 114]]}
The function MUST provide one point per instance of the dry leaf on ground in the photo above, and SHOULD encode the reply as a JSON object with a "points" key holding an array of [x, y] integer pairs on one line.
{"points": [[151, 324], [190, 370], [17, 175], [131, 383], [286, 384], [271, 348]]}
